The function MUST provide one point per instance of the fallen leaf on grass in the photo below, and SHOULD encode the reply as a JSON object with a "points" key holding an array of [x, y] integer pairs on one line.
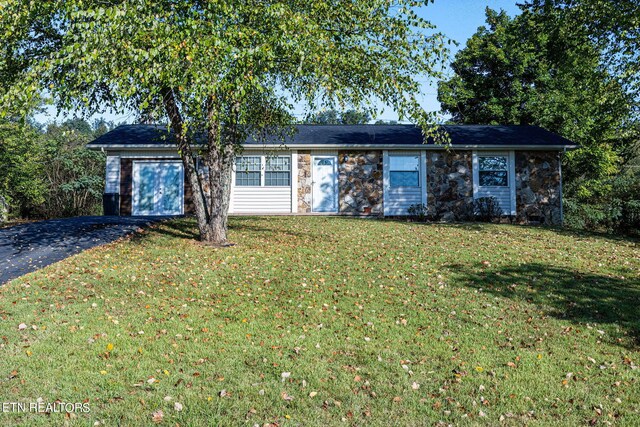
{"points": [[157, 416]]}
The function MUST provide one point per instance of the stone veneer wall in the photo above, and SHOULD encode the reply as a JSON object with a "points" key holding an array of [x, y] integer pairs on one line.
{"points": [[538, 187], [304, 181], [449, 185], [360, 182]]}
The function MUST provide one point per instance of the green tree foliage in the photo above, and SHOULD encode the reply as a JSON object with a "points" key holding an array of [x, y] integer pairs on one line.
{"points": [[613, 25], [232, 68], [526, 71], [49, 173], [73, 174], [333, 117], [523, 71], [22, 186]]}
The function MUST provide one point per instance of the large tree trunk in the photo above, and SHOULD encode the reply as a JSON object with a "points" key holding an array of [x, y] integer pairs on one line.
{"points": [[210, 191], [219, 162]]}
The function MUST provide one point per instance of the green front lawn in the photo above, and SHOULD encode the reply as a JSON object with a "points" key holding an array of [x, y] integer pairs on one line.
{"points": [[331, 321]]}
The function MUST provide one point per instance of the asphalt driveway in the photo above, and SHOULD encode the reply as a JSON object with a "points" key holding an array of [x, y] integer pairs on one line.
{"points": [[28, 247]]}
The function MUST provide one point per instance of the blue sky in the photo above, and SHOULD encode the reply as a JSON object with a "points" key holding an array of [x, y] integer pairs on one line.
{"points": [[457, 19]]}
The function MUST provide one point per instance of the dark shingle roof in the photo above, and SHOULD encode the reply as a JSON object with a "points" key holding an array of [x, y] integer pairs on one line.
{"points": [[150, 136]]}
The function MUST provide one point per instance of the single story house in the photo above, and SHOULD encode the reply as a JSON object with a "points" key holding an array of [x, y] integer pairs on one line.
{"points": [[351, 170]]}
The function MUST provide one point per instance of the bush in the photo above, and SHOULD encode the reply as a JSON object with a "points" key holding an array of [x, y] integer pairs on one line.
{"points": [[418, 212], [487, 209], [614, 210], [75, 176]]}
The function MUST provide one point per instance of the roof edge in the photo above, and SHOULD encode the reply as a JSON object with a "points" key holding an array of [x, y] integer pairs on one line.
{"points": [[426, 146]]}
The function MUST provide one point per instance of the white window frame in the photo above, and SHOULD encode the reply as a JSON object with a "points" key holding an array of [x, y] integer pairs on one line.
{"points": [[506, 169], [419, 169], [263, 170], [260, 170]]}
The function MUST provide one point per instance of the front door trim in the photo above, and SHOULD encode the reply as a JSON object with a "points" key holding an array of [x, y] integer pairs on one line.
{"points": [[314, 177]]}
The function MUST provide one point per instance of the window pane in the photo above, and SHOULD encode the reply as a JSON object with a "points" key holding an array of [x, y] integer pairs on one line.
{"points": [[278, 163], [146, 187], [276, 179], [494, 163], [404, 163], [247, 164], [404, 179], [247, 178], [493, 179]]}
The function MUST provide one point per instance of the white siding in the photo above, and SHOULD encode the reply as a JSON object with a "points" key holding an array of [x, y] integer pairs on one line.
{"points": [[263, 200], [112, 179], [504, 195], [260, 200], [398, 200]]}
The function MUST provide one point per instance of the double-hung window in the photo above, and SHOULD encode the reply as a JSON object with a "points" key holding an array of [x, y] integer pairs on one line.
{"points": [[277, 171], [248, 171], [404, 171], [263, 171], [493, 171]]}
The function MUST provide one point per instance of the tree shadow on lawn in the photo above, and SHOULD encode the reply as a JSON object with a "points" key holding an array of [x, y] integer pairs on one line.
{"points": [[565, 294], [181, 228], [248, 224], [186, 228], [584, 234]]}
